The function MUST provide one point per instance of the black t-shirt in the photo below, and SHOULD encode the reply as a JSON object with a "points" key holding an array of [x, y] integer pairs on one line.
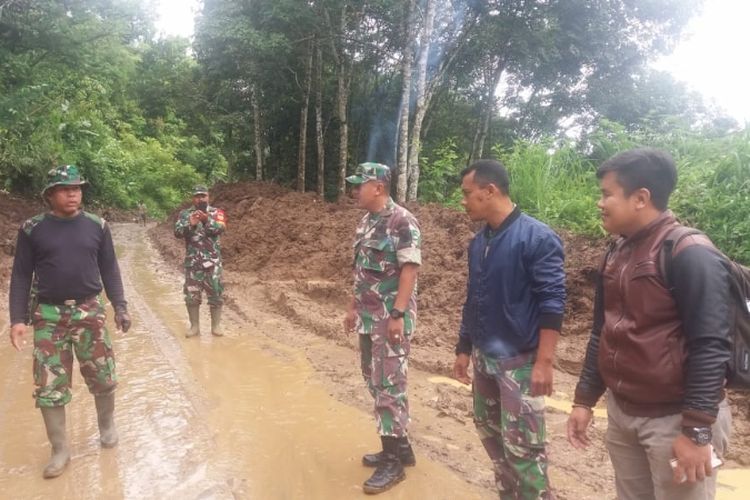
{"points": [[71, 257]]}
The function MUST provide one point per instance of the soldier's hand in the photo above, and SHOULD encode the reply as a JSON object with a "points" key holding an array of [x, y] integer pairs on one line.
{"points": [[195, 217], [122, 319], [350, 321], [17, 332], [395, 330], [461, 369], [202, 215]]}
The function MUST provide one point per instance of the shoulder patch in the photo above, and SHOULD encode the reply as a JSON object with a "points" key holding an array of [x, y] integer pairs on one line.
{"points": [[29, 224], [220, 216], [98, 220]]}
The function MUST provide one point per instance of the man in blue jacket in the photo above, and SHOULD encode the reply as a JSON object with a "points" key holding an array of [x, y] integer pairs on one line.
{"points": [[510, 325]]}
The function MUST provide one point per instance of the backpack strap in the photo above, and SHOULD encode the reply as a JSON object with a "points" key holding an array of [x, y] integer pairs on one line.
{"points": [[666, 254]]}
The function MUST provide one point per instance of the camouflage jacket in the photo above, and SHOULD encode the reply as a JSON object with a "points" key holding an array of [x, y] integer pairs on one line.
{"points": [[202, 241], [383, 243]]}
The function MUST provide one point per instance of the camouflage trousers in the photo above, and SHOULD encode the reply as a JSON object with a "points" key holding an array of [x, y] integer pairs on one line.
{"points": [[511, 425], [59, 331], [384, 368], [203, 280]]}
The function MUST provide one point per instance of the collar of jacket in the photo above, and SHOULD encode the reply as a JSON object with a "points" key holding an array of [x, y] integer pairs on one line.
{"points": [[666, 218], [387, 209], [489, 233]]}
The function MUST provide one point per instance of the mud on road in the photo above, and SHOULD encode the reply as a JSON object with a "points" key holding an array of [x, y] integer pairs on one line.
{"points": [[294, 251], [243, 416], [222, 418]]}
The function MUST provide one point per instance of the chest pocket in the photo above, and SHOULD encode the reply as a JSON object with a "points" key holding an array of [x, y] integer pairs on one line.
{"points": [[376, 255], [648, 295]]}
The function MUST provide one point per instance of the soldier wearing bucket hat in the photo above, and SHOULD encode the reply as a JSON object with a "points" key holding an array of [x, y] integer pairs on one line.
{"points": [[70, 253], [201, 226], [383, 311]]}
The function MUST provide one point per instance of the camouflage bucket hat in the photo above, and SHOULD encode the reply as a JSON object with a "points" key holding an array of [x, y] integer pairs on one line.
{"points": [[200, 190], [370, 172], [64, 175]]}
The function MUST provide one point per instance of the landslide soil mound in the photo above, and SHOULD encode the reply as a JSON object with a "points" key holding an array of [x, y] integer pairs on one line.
{"points": [[13, 211], [300, 248], [290, 238]]}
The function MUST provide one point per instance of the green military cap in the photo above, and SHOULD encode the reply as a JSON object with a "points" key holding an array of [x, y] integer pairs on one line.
{"points": [[200, 190], [370, 172], [64, 175]]}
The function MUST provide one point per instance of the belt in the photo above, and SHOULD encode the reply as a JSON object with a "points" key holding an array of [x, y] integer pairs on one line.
{"points": [[66, 302]]}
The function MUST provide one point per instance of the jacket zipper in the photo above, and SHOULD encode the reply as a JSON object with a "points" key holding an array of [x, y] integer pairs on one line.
{"points": [[481, 273], [614, 328]]}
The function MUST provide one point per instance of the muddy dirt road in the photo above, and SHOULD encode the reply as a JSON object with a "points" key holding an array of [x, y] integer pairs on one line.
{"points": [[236, 417], [272, 410]]}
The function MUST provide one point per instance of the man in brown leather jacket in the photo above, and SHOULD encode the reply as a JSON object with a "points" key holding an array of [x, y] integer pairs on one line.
{"points": [[661, 354]]}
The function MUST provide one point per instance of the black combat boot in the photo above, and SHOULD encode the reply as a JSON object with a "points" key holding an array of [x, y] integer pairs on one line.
{"points": [[405, 454], [389, 472]]}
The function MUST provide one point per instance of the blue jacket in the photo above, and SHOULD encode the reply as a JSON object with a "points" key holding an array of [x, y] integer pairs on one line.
{"points": [[516, 286]]}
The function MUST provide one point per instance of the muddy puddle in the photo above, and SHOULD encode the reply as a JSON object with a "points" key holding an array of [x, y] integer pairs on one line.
{"points": [[241, 416]]}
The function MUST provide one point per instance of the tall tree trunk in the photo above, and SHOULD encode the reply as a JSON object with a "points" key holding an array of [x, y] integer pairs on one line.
{"points": [[258, 134], [321, 148], [342, 99], [403, 126], [302, 153], [415, 144], [343, 82], [488, 109]]}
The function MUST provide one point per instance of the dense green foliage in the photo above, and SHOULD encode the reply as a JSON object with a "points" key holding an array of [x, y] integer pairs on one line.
{"points": [[558, 184], [551, 88], [81, 82]]}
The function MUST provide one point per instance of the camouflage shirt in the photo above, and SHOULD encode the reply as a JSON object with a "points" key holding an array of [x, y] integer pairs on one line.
{"points": [[202, 241], [383, 243]]}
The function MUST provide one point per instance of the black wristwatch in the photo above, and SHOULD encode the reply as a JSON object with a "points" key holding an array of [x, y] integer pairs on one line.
{"points": [[397, 314], [699, 435]]}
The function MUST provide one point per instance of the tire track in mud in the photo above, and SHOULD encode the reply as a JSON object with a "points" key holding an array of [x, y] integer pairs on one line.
{"points": [[183, 441]]}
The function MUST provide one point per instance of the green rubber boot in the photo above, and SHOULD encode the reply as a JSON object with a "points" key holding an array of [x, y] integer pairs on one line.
{"points": [[216, 321], [195, 320], [105, 409], [54, 422]]}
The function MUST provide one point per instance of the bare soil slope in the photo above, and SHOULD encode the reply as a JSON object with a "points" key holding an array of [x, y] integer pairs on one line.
{"points": [[300, 247]]}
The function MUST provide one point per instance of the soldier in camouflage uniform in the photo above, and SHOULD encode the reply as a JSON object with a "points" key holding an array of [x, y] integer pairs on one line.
{"points": [[510, 325], [383, 311], [201, 226], [142, 212], [70, 255]]}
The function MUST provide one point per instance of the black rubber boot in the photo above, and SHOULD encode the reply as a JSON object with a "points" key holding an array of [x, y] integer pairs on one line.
{"points": [[405, 454], [54, 422], [389, 472]]}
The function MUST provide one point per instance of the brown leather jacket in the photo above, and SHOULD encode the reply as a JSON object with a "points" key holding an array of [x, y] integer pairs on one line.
{"points": [[643, 349]]}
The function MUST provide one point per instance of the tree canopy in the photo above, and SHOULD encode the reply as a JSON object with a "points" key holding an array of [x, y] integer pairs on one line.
{"points": [[300, 92]]}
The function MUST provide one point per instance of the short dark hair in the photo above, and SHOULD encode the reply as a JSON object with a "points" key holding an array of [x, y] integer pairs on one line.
{"points": [[489, 172], [647, 168]]}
